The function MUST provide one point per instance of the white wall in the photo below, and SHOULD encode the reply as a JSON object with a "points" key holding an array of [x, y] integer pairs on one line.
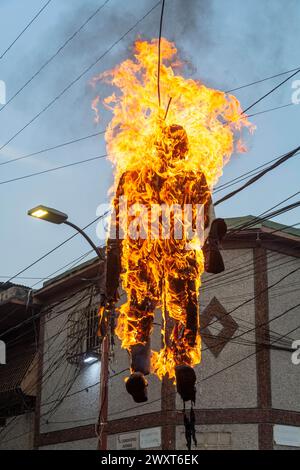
{"points": [[285, 375], [64, 378], [236, 386], [18, 433], [241, 436]]}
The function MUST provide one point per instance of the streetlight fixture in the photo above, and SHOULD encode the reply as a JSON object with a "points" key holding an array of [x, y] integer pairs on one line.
{"points": [[57, 217], [48, 213]]}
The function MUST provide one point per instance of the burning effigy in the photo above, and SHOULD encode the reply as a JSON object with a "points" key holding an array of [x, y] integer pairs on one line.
{"points": [[166, 158]]}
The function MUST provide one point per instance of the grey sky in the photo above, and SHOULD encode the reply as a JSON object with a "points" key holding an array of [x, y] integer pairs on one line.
{"points": [[227, 43]]}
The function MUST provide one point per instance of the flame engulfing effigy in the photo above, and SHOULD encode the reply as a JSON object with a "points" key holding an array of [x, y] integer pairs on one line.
{"points": [[165, 158]]}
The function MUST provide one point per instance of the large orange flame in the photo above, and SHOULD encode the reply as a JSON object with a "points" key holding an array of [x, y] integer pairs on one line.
{"points": [[212, 119]]}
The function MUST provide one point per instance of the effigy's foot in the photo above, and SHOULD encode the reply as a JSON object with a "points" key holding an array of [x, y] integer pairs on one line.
{"points": [[185, 382], [136, 386]]}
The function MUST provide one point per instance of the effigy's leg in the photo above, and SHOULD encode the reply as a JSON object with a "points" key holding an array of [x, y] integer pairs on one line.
{"points": [[141, 324], [135, 324], [182, 307], [134, 327]]}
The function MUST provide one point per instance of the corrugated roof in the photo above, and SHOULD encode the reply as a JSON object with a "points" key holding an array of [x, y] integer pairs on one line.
{"points": [[7, 285]]}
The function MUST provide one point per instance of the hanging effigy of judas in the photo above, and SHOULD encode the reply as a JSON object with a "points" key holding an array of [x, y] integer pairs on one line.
{"points": [[159, 266], [163, 232]]}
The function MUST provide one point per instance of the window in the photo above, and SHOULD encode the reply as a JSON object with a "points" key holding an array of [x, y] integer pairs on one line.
{"points": [[82, 337], [287, 435]]}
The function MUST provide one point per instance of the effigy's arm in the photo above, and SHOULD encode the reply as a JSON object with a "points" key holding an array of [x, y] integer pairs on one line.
{"points": [[214, 230], [114, 249]]}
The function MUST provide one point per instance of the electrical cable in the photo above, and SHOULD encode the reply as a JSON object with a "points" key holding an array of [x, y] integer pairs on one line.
{"points": [[54, 249], [48, 61], [38, 173], [25, 29], [159, 52], [48, 149], [262, 80], [277, 163], [75, 80]]}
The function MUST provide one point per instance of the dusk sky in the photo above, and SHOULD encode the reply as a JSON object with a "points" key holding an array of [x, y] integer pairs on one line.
{"points": [[227, 44]]}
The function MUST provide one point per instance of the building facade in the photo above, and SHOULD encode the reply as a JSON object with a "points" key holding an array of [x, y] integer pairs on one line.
{"points": [[248, 387]]}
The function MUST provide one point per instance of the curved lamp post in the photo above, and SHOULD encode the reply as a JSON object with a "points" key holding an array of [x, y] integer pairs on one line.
{"points": [[57, 217]]}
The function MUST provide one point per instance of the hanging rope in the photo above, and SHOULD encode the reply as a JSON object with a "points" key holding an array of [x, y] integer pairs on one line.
{"points": [[159, 51], [189, 426]]}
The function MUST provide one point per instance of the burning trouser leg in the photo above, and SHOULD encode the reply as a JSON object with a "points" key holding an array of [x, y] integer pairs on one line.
{"points": [[135, 326], [185, 341], [140, 324]]}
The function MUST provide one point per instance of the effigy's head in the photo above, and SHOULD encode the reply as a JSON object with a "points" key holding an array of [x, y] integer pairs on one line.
{"points": [[173, 144]]}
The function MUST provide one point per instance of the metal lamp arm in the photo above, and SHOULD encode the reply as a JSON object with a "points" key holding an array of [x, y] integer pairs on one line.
{"points": [[78, 229]]}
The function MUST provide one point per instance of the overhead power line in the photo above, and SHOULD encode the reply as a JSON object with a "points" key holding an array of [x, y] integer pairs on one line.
{"points": [[55, 54], [54, 249], [262, 80], [25, 29], [87, 160], [82, 74], [48, 149], [270, 92], [267, 215], [159, 51], [205, 378], [279, 162], [271, 109], [249, 355]]}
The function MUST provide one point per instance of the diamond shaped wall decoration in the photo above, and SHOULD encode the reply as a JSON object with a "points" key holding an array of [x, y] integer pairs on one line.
{"points": [[217, 341]]}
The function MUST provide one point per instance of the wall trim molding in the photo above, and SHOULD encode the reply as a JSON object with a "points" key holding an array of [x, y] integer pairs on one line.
{"points": [[262, 335], [262, 417]]}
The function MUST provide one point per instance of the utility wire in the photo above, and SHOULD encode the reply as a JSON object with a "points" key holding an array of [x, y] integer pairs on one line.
{"points": [[239, 178], [269, 92], [279, 162], [102, 132], [267, 215], [72, 263], [25, 29], [50, 276], [282, 314], [258, 294], [247, 357], [159, 51], [271, 109], [201, 380], [73, 82], [48, 149], [38, 173], [54, 55], [54, 249], [262, 80]]}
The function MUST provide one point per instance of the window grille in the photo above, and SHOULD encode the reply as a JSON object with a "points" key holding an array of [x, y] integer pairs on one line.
{"points": [[82, 334]]}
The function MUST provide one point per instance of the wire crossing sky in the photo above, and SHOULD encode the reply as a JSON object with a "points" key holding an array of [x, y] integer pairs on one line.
{"points": [[228, 46]]}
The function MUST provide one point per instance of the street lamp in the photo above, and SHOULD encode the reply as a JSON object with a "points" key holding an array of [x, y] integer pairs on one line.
{"points": [[56, 217]]}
